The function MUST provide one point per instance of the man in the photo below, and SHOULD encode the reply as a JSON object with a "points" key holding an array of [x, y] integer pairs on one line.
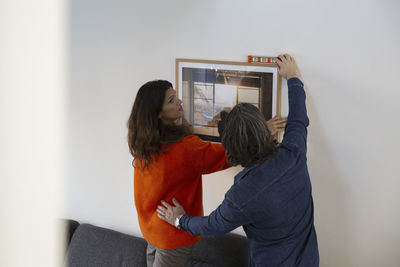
{"points": [[271, 197]]}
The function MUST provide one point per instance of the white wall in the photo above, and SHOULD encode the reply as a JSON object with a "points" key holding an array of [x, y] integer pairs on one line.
{"points": [[348, 52], [32, 114]]}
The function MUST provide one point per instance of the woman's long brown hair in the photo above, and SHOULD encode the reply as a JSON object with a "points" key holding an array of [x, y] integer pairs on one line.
{"points": [[146, 132]]}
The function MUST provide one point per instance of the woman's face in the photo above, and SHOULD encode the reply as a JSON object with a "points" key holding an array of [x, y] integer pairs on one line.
{"points": [[172, 107]]}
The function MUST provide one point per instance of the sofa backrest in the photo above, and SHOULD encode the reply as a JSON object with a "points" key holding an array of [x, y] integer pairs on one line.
{"points": [[93, 246]]}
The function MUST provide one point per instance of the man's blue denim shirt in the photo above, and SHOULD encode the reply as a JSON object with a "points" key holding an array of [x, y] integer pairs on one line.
{"points": [[272, 200]]}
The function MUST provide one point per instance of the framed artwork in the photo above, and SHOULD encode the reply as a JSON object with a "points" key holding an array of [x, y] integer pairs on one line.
{"points": [[209, 87]]}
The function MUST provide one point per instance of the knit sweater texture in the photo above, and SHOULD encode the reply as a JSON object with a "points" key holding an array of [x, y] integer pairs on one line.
{"points": [[176, 173]]}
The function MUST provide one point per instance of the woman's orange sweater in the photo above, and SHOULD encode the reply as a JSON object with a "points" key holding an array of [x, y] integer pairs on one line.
{"points": [[175, 174]]}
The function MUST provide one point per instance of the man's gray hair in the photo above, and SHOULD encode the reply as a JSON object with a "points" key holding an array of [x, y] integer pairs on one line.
{"points": [[246, 137]]}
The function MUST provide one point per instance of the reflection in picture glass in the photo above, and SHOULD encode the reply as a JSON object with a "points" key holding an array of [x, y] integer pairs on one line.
{"points": [[208, 91], [249, 95]]}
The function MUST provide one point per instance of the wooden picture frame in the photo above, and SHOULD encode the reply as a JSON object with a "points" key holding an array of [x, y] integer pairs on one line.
{"points": [[208, 87]]}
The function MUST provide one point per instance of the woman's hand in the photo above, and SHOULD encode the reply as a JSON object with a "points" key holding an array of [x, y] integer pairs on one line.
{"points": [[287, 67], [168, 212], [276, 124]]}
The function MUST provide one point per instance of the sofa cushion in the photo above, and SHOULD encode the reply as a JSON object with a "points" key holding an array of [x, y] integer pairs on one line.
{"points": [[93, 246], [195, 263], [230, 250]]}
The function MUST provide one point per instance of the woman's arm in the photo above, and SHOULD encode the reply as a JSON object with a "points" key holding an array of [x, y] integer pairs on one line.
{"points": [[206, 157]]}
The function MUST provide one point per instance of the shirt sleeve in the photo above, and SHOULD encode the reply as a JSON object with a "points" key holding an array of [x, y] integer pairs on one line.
{"points": [[222, 220], [297, 122]]}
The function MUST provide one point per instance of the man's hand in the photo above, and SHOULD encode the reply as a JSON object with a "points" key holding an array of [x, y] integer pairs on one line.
{"points": [[287, 67], [168, 212], [276, 124]]}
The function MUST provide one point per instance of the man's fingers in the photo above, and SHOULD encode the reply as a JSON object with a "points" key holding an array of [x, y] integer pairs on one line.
{"points": [[160, 210], [166, 204], [281, 58], [288, 57], [175, 202]]}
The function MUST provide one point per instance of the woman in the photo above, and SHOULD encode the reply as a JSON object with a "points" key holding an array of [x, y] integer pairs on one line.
{"points": [[271, 197], [168, 161]]}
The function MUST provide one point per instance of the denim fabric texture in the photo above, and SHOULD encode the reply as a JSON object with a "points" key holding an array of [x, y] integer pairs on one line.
{"points": [[272, 200]]}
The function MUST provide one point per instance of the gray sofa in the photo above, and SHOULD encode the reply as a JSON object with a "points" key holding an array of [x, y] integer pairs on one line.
{"points": [[93, 246]]}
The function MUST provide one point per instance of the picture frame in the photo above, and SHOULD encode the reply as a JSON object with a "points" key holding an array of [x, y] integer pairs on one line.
{"points": [[208, 87]]}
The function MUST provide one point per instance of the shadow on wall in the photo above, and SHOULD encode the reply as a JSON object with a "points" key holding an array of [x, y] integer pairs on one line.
{"points": [[331, 198]]}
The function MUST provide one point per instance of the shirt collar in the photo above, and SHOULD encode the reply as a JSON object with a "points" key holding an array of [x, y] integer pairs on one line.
{"points": [[243, 173]]}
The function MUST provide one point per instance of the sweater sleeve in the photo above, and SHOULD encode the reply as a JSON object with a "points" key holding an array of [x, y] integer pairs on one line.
{"points": [[210, 157], [297, 122]]}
